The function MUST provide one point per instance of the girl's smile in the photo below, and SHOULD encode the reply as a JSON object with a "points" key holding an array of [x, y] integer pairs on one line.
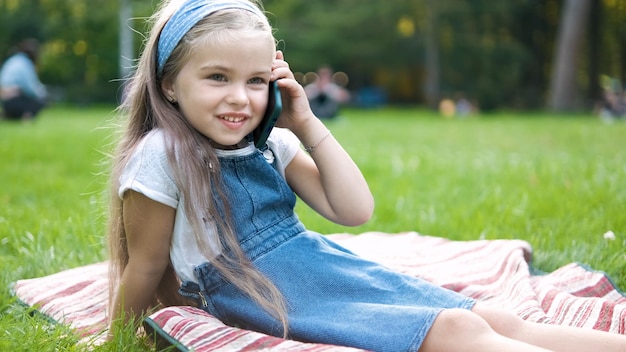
{"points": [[234, 120]]}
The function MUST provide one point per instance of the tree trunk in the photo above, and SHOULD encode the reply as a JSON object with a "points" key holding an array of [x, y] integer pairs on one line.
{"points": [[431, 84], [595, 48], [125, 44], [564, 89], [125, 39]]}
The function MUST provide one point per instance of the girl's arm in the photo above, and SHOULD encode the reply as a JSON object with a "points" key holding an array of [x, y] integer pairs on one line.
{"points": [[328, 180], [149, 225]]}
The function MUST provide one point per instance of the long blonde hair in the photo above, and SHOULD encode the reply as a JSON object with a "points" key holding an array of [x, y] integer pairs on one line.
{"points": [[145, 109]]}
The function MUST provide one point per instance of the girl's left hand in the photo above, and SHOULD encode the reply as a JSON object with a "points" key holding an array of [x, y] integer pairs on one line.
{"points": [[296, 109]]}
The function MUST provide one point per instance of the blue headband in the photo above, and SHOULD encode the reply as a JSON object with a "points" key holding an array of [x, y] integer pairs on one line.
{"points": [[190, 13]]}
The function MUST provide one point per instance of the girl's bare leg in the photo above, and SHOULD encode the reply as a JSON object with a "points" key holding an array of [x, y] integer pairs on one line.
{"points": [[463, 330], [551, 337]]}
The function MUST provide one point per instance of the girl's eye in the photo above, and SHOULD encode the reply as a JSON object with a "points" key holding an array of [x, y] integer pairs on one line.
{"points": [[217, 77], [257, 80]]}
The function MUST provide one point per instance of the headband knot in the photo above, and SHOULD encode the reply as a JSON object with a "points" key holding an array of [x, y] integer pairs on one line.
{"points": [[190, 13]]}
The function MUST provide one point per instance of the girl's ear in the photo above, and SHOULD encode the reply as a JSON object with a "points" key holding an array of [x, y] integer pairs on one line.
{"points": [[168, 90]]}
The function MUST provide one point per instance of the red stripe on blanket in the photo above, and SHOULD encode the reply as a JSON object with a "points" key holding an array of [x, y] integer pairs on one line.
{"points": [[604, 323], [195, 328], [601, 289], [266, 342]]}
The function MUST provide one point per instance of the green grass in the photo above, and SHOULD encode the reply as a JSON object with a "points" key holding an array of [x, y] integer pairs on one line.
{"points": [[554, 181]]}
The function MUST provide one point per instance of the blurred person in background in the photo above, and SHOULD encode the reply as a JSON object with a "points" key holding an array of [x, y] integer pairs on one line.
{"points": [[21, 92], [325, 96]]}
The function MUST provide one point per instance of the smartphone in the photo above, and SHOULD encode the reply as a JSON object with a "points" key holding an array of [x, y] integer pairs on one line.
{"points": [[274, 108]]}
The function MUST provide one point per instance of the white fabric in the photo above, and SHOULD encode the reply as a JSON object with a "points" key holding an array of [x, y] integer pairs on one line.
{"points": [[148, 172]]}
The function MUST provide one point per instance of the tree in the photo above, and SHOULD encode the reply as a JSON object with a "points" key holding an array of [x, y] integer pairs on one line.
{"points": [[126, 47], [564, 88], [431, 84]]}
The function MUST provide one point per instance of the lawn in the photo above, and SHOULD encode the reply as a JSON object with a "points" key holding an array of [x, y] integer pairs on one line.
{"points": [[554, 181]]}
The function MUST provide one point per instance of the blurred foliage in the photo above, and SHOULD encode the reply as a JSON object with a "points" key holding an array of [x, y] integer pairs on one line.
{"points": [[79, 55], [498, 53]]}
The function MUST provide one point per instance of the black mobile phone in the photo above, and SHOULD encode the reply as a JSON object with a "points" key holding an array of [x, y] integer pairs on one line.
{"points": [[274, 108]]}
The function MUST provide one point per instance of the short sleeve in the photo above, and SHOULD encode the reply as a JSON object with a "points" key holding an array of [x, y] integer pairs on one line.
{"points": [[285, 145], [148, 172]]}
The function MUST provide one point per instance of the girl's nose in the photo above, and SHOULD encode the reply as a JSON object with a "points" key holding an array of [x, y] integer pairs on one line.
{"points": [[238, 95]]}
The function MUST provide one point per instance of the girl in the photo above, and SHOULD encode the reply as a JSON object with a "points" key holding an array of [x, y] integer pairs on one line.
{"points": [[197, 207]]}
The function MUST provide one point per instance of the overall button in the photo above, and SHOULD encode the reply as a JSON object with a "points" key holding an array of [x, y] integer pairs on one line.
{"points": [[269, 156]]}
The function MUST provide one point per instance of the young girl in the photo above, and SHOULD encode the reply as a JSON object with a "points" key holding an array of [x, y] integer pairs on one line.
{"points": [[198, 208]]}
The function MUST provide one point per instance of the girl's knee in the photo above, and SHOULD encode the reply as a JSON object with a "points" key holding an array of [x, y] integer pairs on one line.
{"points": [[461, 321], [463, 325], [503, 322]]}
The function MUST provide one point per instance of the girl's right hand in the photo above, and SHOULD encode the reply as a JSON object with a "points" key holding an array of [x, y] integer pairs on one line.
{"points": [[296, 109]]}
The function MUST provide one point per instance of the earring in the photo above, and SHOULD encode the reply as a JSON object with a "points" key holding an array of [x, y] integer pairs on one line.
{"points": [[172, 100]]}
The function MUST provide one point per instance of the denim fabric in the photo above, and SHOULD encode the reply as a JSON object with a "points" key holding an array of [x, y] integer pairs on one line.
{"points": [[333, 296]]}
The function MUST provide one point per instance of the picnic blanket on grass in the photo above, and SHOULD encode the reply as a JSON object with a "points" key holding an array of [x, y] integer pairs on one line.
{"points": [[494, 271]]}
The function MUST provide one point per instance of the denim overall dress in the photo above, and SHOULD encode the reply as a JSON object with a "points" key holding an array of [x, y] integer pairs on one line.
{"points": [[332, 295]]}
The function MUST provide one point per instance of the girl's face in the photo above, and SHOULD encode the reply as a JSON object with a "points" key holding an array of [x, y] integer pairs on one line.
{"points": [[223, 89]]}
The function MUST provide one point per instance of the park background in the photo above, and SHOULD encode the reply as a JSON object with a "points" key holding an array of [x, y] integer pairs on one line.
{"points": [[517, 54], [529, 166]]}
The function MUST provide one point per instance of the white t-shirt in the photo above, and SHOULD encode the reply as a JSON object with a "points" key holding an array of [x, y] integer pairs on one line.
{"points": [[148, 172]]}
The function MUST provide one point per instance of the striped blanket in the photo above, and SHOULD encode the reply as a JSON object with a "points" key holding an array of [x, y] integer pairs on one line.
{"points": [[493, 271]]}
